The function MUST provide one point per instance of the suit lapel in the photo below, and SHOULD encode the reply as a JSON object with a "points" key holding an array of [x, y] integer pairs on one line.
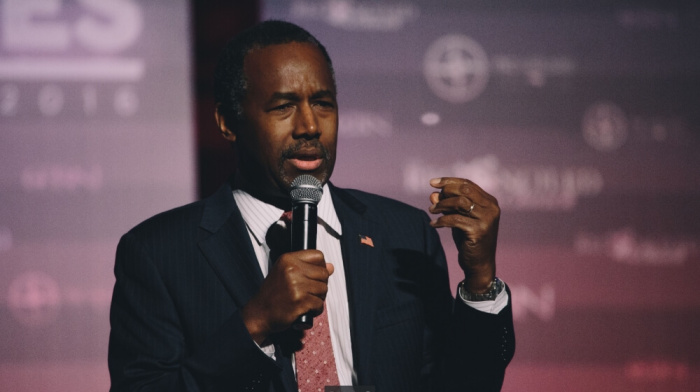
{"points": [[361, 269], [230, 253], [228, 248]]}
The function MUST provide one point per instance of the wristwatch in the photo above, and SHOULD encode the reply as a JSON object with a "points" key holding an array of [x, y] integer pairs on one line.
{"points": [[495, 288]]}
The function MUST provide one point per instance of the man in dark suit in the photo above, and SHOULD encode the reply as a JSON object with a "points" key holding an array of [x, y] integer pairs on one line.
{"points": [[199, 306]]}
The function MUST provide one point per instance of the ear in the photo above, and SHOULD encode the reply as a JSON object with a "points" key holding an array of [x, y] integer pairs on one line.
{"points": [[226, 132]]}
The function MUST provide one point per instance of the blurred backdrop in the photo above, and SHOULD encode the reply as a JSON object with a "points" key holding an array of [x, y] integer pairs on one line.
{"points": [[581, 117]]}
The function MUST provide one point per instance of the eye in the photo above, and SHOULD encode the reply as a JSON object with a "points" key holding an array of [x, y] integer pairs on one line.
{"points": [[326, 104], [282, 108]]}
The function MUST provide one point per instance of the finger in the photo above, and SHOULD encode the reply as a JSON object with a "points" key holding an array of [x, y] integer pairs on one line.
{"points": [[456, 221], [440, 182], [457, 191], [311, 256], [317, 273], [331, 268], [470, 190], [316, 308], [316, 289], [456, 205], [301, 266], [313, 305], [451, 186]]}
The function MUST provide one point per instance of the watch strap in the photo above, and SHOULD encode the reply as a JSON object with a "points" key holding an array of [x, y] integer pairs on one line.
{"points": [[495, 288]]}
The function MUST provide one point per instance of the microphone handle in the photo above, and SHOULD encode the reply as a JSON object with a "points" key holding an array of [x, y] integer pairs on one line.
{"points": [[304, 220]]}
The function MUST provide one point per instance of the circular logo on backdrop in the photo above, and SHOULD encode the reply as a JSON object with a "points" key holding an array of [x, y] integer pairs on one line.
{"points": [[34, 299], [605, 126], [456, 68]]}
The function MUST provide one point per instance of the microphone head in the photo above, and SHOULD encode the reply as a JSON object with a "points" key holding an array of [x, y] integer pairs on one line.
{"points": [[306, 189]]}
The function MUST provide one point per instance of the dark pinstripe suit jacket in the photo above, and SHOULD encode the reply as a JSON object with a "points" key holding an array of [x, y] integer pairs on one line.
{"points": [[183, 275]]}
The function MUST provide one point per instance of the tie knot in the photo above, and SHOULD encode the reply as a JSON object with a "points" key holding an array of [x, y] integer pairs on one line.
{"points": [[286, 217], [279, 236]]}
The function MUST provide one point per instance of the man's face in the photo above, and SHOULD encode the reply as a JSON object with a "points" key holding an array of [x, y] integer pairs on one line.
{"points": [[290, 117]]}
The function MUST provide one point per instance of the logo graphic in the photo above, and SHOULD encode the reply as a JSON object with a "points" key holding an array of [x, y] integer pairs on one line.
{"points": [[62, 43], [59, 177], [52, 31], [605, 126], [527, 301], [34, 299], [657, 370], [522, 187], [626, 246], [362, 123], [354, 15], [456, 68]]}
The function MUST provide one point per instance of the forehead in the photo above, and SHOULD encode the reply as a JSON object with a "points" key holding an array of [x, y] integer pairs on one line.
{"points": [[290, 66]]}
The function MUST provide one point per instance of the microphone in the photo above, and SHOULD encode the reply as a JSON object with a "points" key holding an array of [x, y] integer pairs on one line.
{"points": [[305, 193]]}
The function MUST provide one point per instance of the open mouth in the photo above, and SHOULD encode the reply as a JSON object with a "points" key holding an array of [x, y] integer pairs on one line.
{"points": [[306, 161]]}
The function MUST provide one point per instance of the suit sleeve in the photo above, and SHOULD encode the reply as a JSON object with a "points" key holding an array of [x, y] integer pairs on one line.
{"points": [[149, 350], [484, 344], [477, 346]]}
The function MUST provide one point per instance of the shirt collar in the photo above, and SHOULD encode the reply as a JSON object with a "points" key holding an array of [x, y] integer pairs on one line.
{"points": [[259, 216]]}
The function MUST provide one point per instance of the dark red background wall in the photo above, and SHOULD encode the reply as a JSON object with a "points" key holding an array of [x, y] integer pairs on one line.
{"points": [[214, 23]]}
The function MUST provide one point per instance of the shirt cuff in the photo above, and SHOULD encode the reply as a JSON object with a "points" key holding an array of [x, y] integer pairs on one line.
{"points": [[493, 307]]}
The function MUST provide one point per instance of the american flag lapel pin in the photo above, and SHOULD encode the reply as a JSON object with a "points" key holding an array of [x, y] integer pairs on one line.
{"points": [[366, 241]]}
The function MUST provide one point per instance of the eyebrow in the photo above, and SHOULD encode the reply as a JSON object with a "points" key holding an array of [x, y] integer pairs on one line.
{"points": [[295, 97], [323, 94]]}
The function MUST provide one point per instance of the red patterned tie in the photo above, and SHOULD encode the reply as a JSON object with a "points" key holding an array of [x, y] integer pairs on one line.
{"points": [[315, 363]]}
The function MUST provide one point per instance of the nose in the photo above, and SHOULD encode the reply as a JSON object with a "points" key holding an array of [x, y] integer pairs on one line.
{"points": [[307, 123]]}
